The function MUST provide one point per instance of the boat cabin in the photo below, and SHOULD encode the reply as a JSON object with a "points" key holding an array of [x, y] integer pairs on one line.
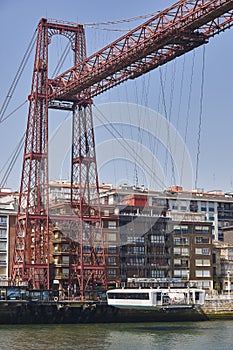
{"points": [[156, 298]]}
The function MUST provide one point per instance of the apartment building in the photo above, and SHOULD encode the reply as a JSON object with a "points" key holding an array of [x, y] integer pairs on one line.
{"points": [[223, 266], [8, 212], [158, 239], [147, 234], [191, 248], [217, 207]]}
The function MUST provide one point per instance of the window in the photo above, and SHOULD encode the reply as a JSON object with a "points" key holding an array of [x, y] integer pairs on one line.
{"points": [[202, 251], [202, 262], [181, 229], [181, 241], [112, 250], [203, 284], [136, 261], [202, 229], [176, 251], [157, 274], [137, 296], [184, 228], [112, 260], [2, 246], [65, 247], [99, 249], [202, 240], [174, 205], [112, 272], [111, 236], [177, 228], [181, 262], [140, 240], [206, 284], [159, 202], [3, 220], [183, 208], [157, 239], [2, 233], [133, 239], [184, 251], [202, 273], [193, 206], [136, 250], [86, 249], [181, 251], [180, 273], [183, 205], [211, 206], [3, 260], [111, 200], [65, 272], [203, 206], [177, 262], [65, 260], [112, 225]]}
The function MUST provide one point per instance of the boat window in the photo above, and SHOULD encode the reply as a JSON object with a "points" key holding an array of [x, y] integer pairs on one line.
{"points": [[138, 296]]}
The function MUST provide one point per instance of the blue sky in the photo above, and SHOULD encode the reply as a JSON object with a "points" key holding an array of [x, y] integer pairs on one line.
{"points": [[18, 21]]}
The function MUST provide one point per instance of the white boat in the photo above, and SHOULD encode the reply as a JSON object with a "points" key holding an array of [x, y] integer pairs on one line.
{"points": [[164, 298]]}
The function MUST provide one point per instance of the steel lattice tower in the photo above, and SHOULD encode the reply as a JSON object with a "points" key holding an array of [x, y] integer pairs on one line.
{"points": [[31, 264]]}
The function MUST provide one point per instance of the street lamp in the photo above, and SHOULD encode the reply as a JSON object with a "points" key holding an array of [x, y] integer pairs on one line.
{"points": [[228, 283], [188, 278]]}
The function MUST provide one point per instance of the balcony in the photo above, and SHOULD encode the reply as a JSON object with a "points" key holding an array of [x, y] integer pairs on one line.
{"points": [[61, 264], [60, 240], [61, 276], [60, 251]]}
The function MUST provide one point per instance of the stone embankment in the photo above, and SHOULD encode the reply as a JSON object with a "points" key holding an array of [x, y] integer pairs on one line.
{"points": [[218, 307]]}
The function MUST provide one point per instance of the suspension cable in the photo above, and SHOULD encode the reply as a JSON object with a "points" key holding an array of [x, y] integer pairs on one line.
{"points": [[122, 20], [17, 76], [97, 25], [200, 117], [15, 110], [187, 115], [13, 158], [167, 117], [126, 145], [61, 60]]}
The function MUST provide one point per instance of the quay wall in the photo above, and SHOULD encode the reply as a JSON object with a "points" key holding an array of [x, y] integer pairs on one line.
{"points": [[26, 312], [67, 312], [218, 307]]}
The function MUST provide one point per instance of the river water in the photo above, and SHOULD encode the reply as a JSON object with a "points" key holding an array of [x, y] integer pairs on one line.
{"points": [[207, 335]]}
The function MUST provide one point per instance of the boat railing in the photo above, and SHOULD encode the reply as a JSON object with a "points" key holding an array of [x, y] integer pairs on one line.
{"points": [[173, 301]]}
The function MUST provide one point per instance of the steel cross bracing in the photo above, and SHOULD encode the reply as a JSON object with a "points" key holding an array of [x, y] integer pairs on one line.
{"points": [[30, 259], [33, 251], [169, 34]]}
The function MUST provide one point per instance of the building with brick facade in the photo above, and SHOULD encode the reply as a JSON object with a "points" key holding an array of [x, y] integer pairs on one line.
{"points": [[147, 234]]}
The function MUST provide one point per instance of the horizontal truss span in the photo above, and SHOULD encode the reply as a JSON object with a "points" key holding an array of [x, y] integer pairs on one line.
{"points": [[169, 34]]}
